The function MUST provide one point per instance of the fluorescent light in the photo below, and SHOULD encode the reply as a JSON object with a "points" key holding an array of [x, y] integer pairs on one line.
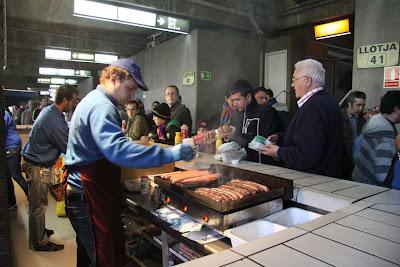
{"points": [[57, 54], [332, 29], [53, 86], [44, 93], [47, 71], [334, 35], [57, 80], [103, 58], [65, 72], [95, 9], [43, 80], [85, 9], [70, 81], [83, 73], [136, 16]]}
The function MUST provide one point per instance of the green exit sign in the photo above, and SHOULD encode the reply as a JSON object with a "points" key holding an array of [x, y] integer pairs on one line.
{"points": [[205, 75]]}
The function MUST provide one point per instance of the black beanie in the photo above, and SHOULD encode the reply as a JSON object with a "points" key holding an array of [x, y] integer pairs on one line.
{"points": [[162, 111]]}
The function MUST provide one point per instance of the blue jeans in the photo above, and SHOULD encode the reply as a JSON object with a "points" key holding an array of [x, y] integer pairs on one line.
{"points": [[14, 170], [78, 213]]}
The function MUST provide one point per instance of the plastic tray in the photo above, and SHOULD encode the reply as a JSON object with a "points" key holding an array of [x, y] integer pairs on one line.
{"points": [[292, 216], [251, 231]]}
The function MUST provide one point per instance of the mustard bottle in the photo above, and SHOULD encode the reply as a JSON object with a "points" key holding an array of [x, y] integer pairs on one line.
{"points": [[177, 138], [218, 142]]}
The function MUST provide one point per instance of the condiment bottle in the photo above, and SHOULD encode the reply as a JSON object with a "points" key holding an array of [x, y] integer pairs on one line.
{"points": [[218, 141], [184, 131], [177, 138]]}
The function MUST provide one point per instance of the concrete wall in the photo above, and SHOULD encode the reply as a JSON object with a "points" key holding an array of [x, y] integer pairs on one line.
{"points": [[165, 64], [298, 49], [229, 58], [376, 21], [86, 87]]}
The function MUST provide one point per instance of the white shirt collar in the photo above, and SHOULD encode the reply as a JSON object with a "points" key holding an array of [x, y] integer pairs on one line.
{"points": [[307, 96]]}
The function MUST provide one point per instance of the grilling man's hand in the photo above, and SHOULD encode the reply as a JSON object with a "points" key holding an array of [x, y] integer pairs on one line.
{"points": [[183, 152]]}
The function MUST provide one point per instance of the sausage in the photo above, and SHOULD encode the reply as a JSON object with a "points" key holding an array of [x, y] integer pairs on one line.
{"points": [[186, 175], [201, 179]]}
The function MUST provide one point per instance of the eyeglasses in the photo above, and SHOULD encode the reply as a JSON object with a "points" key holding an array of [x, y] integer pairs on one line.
{"points": [[295, 79]]}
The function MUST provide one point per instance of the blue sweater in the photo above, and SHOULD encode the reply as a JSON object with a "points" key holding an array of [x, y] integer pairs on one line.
{"points": [[96, 134], [13, 141], [48, 137], [313, 141]]}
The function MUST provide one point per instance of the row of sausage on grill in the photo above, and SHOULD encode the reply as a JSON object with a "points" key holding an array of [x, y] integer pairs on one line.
{"points": [[233, 190]]}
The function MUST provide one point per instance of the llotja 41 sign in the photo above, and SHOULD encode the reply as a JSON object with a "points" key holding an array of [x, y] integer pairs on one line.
{"points": [[378, 55]]}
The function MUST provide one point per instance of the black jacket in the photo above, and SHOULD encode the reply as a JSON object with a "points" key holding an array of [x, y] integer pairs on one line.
{"points": [[313, 141], [256, 120], [348, 142]]}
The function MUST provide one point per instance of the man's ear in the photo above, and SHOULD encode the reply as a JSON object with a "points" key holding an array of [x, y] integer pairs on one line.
{"points": [[248, 97]]}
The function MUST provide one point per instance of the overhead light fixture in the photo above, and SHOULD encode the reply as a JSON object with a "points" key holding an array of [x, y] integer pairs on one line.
{"points": [[104, 58], [53, 87], [332, 29], [56, 80], [64, 72], [76, 55], [44, 80], [129, 16], [57, 54]]}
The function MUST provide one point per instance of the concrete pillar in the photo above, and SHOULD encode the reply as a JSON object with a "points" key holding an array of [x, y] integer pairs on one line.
{"points": [[376, 21]]}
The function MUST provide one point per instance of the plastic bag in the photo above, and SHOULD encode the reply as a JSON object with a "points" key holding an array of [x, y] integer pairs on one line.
{"points": [[233, 156], [258, 142], [60, 209], [231, 146]]}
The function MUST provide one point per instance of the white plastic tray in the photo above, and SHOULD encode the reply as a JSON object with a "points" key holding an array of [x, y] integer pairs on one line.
{"points": [[292, 216], [251, 231]]}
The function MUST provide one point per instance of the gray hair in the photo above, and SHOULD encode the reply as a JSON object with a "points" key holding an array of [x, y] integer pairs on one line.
{"points": [[313, 69]]}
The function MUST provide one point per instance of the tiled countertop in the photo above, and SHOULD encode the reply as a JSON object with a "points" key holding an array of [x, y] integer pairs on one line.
{"points": [[362, 228]]}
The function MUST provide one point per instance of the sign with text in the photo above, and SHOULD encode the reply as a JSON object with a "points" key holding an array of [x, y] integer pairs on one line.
{"points": [[171, 23], [205, 75], [188, 78], [378, 55], [391, 78]]}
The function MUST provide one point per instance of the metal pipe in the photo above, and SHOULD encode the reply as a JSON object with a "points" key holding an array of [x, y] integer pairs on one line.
{"points": [[344, 98]]}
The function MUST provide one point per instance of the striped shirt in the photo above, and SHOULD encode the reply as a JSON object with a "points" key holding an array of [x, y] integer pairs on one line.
{"points": [[307, 96]]}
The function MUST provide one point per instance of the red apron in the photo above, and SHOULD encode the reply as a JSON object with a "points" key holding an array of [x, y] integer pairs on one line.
{"points": [[101, 183]]}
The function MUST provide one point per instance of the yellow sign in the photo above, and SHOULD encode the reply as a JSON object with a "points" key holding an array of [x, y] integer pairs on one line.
{"points": [[332, 29]]}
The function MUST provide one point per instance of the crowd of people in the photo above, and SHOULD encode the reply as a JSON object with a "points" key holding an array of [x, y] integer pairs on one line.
{"points": [[322, 138]]}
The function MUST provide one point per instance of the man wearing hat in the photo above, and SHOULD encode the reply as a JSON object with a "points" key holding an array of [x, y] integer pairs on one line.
{"points": [[97, 149], [166, 128]]}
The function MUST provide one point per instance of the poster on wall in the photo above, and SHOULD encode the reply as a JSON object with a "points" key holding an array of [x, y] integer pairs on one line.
{"points": [[391, 77], [188, 78]]}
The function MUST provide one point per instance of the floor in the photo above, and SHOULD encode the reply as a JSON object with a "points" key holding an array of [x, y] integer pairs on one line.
{"points": [[63, 234]]}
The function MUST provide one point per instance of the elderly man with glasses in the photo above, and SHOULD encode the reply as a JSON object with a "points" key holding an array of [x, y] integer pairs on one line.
{"points": [[313, 141]]}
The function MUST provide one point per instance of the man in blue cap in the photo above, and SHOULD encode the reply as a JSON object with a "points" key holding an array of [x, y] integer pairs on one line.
{"points": [[97, 149]]}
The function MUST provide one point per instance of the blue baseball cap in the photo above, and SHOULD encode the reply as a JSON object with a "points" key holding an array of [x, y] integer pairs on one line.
{"points": [[130, 66]]}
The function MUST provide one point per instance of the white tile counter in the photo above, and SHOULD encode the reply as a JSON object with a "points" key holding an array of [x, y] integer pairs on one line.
{"points": [[363, 228]]}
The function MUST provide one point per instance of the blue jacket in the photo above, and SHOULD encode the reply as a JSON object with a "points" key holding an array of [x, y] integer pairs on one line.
{"points": [[48, 137], [96, 134], [313, 141], [13, 141]]}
